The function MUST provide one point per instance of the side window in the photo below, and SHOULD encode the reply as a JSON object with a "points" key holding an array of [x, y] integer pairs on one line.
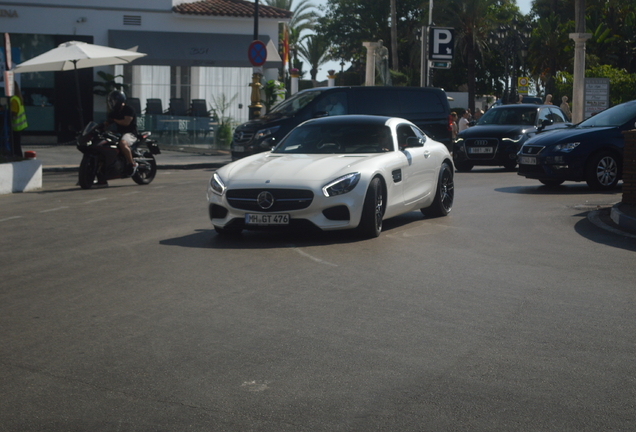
{"points": [[418, 133], [333, 104], [403, 132], [557, 116]]}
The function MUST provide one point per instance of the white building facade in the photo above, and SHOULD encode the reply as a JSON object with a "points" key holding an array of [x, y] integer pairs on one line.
{"points": [[195, 50]]}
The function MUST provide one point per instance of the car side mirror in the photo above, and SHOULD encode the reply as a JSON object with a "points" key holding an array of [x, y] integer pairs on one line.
{"points": [[414, 142], [545, 123], [472, 123]]}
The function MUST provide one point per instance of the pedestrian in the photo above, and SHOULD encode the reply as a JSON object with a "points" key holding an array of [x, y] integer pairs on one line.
{"points": [[548, 100], [18, 119], [463, 122], [478, 114], [565, 107], [454, 125]]}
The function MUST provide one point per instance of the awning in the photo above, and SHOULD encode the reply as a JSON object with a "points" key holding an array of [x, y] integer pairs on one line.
{"points": [[192, 49]]}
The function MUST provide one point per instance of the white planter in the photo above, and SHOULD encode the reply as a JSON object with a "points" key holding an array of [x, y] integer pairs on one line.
{"points": [[20, 176]]}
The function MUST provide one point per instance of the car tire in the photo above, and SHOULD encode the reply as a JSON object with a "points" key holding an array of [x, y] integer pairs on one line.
{"points": [[228, 231], [552, 183], [87, 172], [444, 194], [603, 171], [372, 210], [463, 166]]}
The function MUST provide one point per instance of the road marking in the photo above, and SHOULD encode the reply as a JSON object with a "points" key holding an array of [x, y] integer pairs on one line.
{"points": [[159, 187], [95, 200], [130, 193], [53, 209], [318, 260], [9, 218]]}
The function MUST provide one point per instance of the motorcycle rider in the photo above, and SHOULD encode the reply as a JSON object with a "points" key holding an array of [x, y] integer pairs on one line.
{"points": [[125, 119]]}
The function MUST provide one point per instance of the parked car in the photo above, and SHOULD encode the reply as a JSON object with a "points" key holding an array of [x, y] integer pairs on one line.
{"points": [[426, 107], [335, 173], [591, 151], [497, 137]]}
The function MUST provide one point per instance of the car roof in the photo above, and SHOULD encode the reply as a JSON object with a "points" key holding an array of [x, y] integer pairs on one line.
{"points": [[356, 119]]}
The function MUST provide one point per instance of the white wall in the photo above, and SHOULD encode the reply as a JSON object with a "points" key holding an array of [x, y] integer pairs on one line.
{"points": [[96, 17]]}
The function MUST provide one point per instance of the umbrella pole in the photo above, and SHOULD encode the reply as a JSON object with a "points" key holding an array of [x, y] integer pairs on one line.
{"points": [[79, 97]]}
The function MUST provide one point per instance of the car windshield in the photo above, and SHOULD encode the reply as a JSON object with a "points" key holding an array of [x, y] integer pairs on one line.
{"points": [[294, 104], [522, 116], [337, 138], [611, 117]]}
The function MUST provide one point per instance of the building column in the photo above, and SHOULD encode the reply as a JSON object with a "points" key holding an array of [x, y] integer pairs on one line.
{"points": [[370, 72], [578, 88]]}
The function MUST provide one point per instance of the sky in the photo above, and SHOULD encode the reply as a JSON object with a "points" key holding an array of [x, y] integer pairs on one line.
{"points": [[524, 6]]}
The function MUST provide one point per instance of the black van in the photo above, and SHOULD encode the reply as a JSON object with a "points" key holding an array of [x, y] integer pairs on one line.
{"points": [[425, 106]]}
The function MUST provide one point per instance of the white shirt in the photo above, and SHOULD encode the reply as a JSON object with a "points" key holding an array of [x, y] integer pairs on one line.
{"points": [[463, 123]]}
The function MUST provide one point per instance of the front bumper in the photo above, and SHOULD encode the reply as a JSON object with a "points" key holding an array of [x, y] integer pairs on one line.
{"points": [[552, 167], [326, 213]]}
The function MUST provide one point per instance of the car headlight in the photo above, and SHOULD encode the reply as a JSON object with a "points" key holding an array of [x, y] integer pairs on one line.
{"points": [[341, 185], [217, 185], [264, 133], [566, 147]]}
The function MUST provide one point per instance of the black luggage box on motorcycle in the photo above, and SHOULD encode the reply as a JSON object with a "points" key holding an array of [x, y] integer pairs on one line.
{"points": [[153, 147]]}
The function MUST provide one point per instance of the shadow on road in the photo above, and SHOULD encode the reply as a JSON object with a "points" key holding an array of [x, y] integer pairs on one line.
{"points": [[265, 239], [590, 231], [569, 189]]}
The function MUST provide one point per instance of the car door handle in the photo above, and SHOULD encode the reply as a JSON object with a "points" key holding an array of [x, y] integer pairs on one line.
{"points": [[426, 154]]}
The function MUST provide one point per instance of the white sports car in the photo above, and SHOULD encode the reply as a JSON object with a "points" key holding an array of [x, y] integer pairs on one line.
{"points": [[338, 172]]}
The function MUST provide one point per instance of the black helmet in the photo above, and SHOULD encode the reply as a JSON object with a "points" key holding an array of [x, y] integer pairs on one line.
{"points": [[115, 99]]}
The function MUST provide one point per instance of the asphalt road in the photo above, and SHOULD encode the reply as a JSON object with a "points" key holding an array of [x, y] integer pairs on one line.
{"points": [[122, 310]]}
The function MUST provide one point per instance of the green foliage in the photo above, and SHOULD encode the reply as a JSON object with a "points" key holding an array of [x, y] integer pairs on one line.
{"points": [[274, 92], [622, 84], [315, 51], [107, 85], [219, 106]]}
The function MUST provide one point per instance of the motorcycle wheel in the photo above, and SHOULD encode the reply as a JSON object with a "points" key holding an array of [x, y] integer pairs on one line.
{"points": [[87, 172], [146, 171]]}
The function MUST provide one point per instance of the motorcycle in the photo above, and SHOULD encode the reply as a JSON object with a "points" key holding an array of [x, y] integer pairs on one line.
{"points": [[103, 161]]}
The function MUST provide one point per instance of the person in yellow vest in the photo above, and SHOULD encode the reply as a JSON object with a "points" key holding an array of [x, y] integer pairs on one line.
{"points": [[18, 119]]}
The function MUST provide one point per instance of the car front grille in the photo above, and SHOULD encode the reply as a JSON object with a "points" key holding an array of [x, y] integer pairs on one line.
{"points": [[531, 150], [284, 199], [242, 137], [478, 143]]}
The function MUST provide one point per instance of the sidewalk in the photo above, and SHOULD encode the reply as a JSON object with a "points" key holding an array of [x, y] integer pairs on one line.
{"points": [[68, 158]]}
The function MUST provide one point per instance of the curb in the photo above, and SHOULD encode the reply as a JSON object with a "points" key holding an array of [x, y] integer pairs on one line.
{"points": [[622, 220], [214, 165], [597, 217]]}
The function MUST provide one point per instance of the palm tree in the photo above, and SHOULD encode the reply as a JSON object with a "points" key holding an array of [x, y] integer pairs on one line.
{"points": [[315, 51], [303, 18], [472, 20]]}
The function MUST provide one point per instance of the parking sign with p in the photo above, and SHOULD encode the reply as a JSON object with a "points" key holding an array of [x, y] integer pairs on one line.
{"points": [[440, 43]]}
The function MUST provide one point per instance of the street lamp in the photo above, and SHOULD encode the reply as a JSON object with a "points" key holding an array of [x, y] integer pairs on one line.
{"points": [[511, 39]]}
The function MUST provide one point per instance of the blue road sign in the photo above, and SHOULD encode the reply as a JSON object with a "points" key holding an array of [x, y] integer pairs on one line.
{"points": [[257, 53]]}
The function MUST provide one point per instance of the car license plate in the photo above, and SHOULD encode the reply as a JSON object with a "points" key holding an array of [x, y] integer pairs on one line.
{"points": [[527, 160], [474, 150], [238, 149], [266, 219]]}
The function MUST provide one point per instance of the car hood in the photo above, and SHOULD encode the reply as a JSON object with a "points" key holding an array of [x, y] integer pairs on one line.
{"points": [[479, 131], [567, 135], [277, 169]]}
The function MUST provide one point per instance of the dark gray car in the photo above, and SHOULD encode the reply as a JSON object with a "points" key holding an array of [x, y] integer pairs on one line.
{"points": [[497, 137]]}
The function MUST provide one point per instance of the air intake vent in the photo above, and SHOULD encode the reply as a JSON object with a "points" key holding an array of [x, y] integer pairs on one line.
{"points": [[132, 20]]}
